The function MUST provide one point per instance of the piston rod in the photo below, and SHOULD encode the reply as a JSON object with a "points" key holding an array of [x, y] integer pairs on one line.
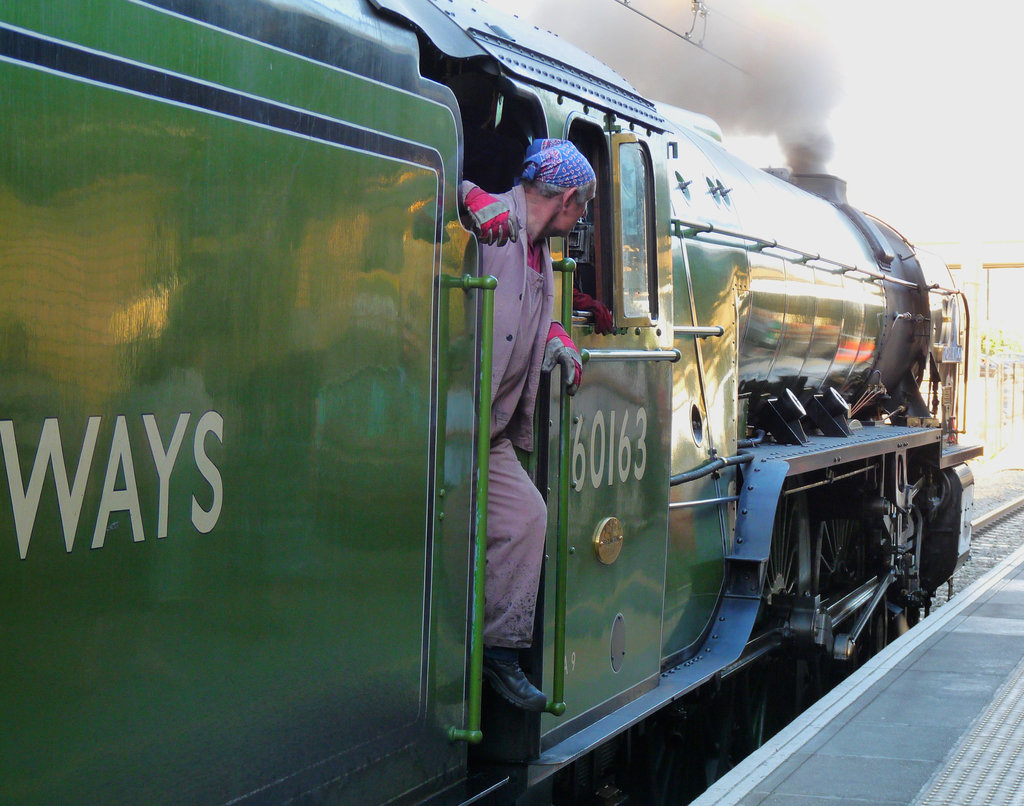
{"points": [[846, 644]]}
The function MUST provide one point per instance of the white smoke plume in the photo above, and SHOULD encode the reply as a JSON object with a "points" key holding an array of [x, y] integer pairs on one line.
{"points": [[763, 67]]}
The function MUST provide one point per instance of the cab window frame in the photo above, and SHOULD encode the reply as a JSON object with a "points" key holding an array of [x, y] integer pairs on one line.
{"points": [[633, 230]]}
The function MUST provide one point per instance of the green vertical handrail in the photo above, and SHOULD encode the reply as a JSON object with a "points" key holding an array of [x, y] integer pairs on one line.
{"points": [[472, 733], [556, 705]]}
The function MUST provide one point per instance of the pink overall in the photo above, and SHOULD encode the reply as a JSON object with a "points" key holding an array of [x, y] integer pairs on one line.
{"points": [[516, 513]]}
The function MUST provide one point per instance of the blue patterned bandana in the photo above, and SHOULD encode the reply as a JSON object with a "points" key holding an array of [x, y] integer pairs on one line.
{"points": [[558, 163]]}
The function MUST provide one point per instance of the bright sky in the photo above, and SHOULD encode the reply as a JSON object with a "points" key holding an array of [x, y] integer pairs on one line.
{"points": [[923, 98], [929, 131]]}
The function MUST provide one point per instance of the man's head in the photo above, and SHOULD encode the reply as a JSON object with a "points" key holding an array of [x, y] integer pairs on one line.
{"points": [[557, 174]]}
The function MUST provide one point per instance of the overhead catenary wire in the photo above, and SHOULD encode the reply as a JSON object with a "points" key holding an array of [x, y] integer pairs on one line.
{"points": [[700, 10]]}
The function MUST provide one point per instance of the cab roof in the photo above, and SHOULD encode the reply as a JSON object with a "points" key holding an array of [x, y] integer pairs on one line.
{"points": [[464, 29]]}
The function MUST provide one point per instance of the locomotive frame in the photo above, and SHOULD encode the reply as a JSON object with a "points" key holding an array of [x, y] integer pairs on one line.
{"points": [[245, 347]]}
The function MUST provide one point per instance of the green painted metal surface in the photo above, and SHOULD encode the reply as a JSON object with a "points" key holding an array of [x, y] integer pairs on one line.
{"points": [[217, 521], [617, 470], [706, 287], [697, 536]]}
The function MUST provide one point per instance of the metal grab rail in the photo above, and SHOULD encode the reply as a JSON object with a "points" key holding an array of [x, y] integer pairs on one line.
{"points": [[699, 332], [472, 733], [691, 229], [556, 705], [630, 355], [724, 499]]}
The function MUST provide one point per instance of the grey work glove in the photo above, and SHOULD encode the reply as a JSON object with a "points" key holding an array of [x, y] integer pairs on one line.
{"points": [[561, 350]]}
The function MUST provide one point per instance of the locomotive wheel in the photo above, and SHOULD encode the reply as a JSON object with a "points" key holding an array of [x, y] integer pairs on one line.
{"points": [[707, 736], [789, 561], [768, 699], [682, 754], [841, 566], [832, 547]]}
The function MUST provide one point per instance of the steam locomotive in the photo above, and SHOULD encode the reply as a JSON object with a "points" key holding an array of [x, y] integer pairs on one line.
{"points": [[244, 340]]}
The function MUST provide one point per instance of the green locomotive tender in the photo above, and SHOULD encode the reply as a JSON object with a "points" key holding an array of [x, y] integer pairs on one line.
{"points": [[242, 333]]}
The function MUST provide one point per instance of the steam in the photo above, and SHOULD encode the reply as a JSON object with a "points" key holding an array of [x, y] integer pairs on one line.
{"points": [[766, 67]]}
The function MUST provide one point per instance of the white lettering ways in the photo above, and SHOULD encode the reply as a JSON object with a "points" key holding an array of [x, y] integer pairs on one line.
{"points": [[120, 462]]}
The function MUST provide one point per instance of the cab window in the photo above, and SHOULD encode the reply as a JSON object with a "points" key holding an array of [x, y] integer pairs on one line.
{"points": [[633, 233]]}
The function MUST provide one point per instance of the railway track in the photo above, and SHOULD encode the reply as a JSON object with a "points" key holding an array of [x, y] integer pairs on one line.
{"points": [[997, 513]]}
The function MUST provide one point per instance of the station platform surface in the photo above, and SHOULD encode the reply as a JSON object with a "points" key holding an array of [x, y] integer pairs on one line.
{"points": [[937, 717]]}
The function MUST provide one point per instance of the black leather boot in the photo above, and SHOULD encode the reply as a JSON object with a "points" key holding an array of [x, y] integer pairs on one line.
{"points": [[502, 671]]}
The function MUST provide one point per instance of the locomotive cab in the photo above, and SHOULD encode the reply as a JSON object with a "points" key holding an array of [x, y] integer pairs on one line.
{"points": [[612, 489], [499, 120], [497, 124]]}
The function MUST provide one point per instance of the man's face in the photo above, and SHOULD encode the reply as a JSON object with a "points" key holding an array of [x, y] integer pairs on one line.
{"points": [[571, 211]]}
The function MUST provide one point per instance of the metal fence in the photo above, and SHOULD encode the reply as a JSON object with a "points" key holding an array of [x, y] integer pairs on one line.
{"points": [[996, 407]]}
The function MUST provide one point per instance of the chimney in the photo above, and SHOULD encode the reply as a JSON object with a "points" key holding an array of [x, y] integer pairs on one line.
{"points": [[829, 187]]}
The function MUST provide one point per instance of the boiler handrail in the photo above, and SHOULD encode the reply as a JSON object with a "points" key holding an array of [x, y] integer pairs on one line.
{"points": [[692, 229]]}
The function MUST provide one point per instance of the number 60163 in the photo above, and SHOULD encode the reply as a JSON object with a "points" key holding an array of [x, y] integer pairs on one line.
{"points": [[611, 449]]}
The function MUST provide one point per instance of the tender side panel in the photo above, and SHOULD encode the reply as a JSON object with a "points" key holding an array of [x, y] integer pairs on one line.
{"points": [[215, 521]]}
